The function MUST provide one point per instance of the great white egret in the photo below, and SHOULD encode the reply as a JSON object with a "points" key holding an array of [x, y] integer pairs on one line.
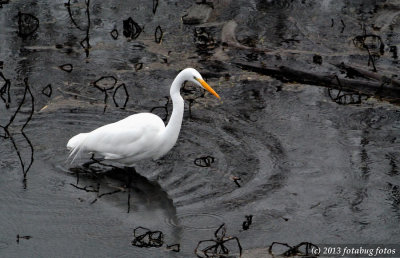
{"points": [[139, 136]]}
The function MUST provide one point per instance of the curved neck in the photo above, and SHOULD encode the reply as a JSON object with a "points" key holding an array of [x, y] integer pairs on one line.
{"points": [[171, 132]]}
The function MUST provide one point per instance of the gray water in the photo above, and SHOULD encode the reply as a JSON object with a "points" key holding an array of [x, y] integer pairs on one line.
{"points": [[310, 169]]}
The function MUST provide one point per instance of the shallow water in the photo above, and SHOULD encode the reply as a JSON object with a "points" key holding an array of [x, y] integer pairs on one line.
{"points": [[309, 168]]}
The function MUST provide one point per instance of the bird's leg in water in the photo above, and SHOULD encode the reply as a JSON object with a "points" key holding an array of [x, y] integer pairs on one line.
{"points": [[92, 161], [131, 171]]}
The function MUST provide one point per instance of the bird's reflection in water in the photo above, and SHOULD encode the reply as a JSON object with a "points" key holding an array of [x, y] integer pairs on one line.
{"points": [[123, 185], [130, 191]]}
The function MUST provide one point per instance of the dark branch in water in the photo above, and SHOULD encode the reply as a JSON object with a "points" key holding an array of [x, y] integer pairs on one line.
{"points": [[25, 167], [285, 74]]}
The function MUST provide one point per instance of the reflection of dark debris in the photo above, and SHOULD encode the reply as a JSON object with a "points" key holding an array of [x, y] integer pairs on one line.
{"points": [[175, 247], [47, 91], [155, 5], [104, 84], [27, 24], [131, 28], [302, 249], [345, 98], [7, 134], [84, 42], [393, 50], [138, 66], [66, 67], [22, 237], [191, 93], [87, 188], [71, 16], [114, 34], [343, 26], [1, 64], [394, 193], [98, 174], [394, 169], [5, 90], [205, 161], [236, 179], [197, 14], [158, 35], [204, 40], [246, 224], [165, 108], [125, 90], [317, 59], [146, 238], [371, 43], [3, 2], [217, 247]]}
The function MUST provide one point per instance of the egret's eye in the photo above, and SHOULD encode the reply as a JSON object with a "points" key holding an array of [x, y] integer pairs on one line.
{"points": [[194, 77]]}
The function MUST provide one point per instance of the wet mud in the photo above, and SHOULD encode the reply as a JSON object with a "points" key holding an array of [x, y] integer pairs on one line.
{"points": [[303, 149]]}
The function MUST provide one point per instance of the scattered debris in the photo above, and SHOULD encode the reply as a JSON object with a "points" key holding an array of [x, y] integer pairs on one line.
{"points": [[246, 224], [294, 250], [22, 237], [125, 90], [204, 161], [174, 248], [155, 5], [47, 91], [236, 179], [5, 90], [114, 34], [317, 59], [27, 24], [132, 30], [165, 108], [66, 67], [105, 83], [138, 66], [197, 14], [216, 247], [158, 35], [85, 44], [147, 238], [3, 2], [345, 98], [8, 134]]}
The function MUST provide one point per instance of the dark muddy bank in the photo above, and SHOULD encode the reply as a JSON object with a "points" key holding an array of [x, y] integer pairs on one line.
{"points": [[310, 163]]}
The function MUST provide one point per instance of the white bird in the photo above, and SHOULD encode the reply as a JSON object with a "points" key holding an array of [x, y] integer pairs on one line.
{"points": [[139, 136]]}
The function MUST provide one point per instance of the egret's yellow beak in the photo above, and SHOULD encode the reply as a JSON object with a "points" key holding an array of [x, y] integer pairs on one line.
{"points": [[207, 87]]}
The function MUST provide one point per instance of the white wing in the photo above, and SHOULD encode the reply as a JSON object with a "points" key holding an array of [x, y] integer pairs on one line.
{"points": [[136, 135]]}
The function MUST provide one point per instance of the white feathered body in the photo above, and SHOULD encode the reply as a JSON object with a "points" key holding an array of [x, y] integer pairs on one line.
{"points": [[131, 139], [139, 136]]}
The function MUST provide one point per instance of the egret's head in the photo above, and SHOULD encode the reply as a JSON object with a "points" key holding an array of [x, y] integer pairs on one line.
{"points": [[196, 77]]}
